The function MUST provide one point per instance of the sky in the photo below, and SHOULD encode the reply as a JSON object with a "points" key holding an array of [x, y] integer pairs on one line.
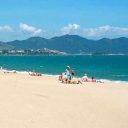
{"points": [[93, 19]]}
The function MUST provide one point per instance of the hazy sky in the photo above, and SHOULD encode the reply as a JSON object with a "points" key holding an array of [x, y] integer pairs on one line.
{"points": [[20, 19]]}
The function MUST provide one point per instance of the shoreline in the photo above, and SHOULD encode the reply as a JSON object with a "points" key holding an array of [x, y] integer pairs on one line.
{"points": [[56, 76]]}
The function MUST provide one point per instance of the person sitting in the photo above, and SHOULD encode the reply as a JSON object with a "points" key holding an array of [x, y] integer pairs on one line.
{"points": [[75, 82], [34, 74], [60, 77], [38, 74], [85, 78], [72, 81], [93, 79], [13, 71]]}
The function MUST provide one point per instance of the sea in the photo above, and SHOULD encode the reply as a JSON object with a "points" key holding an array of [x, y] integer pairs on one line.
{"points": [[111, 68]]}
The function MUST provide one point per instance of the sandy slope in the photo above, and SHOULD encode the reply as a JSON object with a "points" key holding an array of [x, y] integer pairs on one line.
{"points": [[43, 102]]}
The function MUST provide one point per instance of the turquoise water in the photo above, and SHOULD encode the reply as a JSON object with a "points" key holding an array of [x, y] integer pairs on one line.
{"points": [[101, 67]]}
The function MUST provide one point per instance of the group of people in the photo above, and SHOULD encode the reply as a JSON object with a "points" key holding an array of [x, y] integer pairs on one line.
{"points": [[86, 79], [68, 77], [35, 74]]}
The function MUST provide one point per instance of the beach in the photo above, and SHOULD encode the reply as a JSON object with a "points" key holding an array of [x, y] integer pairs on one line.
{"points": [[44, 102]]}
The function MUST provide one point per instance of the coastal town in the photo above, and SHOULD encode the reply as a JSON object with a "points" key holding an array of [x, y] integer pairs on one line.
{"points": [[44, 51]]}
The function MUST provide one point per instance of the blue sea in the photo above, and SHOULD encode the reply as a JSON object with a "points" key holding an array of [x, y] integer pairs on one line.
{"points": [[113, 68]]}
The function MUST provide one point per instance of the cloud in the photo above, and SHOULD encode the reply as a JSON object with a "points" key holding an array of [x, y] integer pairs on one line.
{"points": [[93, 33], [71, 28], [6, 28], [30, 29], [105, 31], [96, 32]]}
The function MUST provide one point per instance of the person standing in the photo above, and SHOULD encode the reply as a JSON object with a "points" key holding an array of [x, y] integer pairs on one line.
{"points": [[68, 74], [73, 73]]}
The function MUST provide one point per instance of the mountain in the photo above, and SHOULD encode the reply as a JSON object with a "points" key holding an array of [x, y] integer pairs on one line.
{"points": [[5, 46], [73, 44], [31, 43]]}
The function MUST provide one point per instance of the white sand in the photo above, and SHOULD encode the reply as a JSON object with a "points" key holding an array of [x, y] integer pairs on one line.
{"points": [[43, 102]]}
